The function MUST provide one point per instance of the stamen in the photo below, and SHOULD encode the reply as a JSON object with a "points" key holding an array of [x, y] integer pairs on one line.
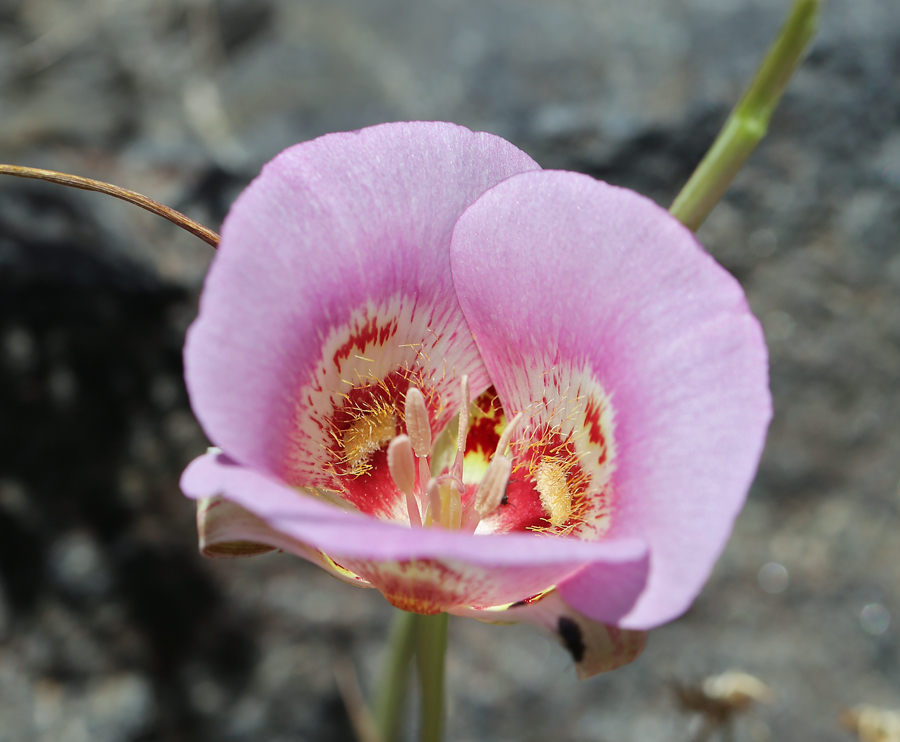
{"points": [[463, 431], [463, 415], [552, 485], [412, 509], [493, 486], [503, 443], [434, 501], [452, 478], [424, 472], [402, 466], [451, 506], [417, 424]]}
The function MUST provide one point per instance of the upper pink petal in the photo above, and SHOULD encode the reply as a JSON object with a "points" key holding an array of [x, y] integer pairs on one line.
{"points": [[348, 234], [561, 276]]}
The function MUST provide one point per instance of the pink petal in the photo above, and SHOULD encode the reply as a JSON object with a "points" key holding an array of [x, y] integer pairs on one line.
{"points": [[561, 276], [227, 531], [595, 647], [334, 269], [450, 568]]}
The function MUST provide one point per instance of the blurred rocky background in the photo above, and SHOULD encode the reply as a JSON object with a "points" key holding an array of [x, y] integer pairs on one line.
{"points": [[113, 629]]}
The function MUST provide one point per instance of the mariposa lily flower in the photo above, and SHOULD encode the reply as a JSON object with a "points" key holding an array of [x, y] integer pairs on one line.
{"points": [[431, 368]]}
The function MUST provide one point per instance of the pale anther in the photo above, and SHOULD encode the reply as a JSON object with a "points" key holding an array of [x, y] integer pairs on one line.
{"points": [[402, 464], [463, 415], [507, 434], [417, 424], [493, 486]]}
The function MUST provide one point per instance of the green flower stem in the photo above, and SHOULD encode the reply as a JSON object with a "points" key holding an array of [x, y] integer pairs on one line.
{"points": [[395, 680], [749, 120], [431, 649]]}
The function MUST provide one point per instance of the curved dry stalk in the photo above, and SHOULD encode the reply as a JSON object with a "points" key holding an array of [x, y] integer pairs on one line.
{"points": [[132, 197]]}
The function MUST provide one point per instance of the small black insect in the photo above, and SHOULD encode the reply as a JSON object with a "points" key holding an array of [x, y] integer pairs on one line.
{"points": [[505, 499], [570, 633]]}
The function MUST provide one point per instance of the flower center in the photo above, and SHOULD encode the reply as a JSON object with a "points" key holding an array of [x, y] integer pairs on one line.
{"points": [[440, 498], [553, 478], [366, 416]]}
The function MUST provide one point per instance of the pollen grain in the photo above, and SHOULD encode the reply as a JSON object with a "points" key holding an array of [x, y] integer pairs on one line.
{"points": [[550, 482]]}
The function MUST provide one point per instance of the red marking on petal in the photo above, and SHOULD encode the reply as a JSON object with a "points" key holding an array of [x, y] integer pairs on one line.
{"points": [[524, 510], [372, 333], [533, 599], [428, 602], [423, 586], [484, 434], [373, 493], [592, 420], [358, 433]]}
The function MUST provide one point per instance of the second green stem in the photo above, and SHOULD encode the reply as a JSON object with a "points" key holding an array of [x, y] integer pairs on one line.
{"points": [[431, 651], [395, 681], [749, 120]]}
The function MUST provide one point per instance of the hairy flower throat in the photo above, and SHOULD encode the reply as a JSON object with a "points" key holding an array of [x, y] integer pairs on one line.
{"points": [[441, 498], [368, 433]]}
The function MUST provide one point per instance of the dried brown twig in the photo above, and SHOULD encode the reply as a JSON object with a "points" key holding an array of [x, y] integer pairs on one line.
{"points": [[132, 197], [361, 718]]}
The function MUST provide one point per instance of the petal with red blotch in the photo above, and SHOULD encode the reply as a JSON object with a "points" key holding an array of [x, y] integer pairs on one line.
{"points": [[561, 276], [331, 293], [425, 569], [595, 647]]}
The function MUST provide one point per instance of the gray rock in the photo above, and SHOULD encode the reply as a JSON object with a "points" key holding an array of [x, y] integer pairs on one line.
{"points": [[78, 565], [184, 102]]}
